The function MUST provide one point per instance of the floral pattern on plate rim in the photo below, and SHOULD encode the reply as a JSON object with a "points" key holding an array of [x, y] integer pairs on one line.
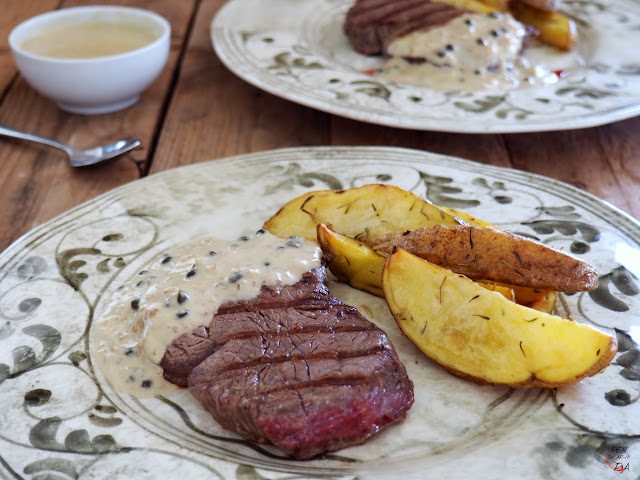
{"points": [[303, 56], [60, 418]]}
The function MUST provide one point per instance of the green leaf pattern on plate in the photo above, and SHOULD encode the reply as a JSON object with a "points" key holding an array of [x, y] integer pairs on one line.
{"points": [[305, 57], [59, 419]]}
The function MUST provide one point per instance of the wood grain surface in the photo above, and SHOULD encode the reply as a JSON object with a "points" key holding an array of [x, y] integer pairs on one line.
{"points": [[197, 111]]}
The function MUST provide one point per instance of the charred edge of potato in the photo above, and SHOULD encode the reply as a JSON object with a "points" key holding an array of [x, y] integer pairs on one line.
{"points": [[486, 253]]}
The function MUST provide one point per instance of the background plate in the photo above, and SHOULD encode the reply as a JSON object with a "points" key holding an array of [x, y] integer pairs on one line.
{"points": [[296, 49], [60, 419]]}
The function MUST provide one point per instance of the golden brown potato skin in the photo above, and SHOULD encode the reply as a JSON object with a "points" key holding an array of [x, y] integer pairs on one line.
{"points": [[483, 337], [355, 263], [351, 261], [374, 210], [490, 254], [534, 382], [553, 27], [367, 211], [292, 219]]}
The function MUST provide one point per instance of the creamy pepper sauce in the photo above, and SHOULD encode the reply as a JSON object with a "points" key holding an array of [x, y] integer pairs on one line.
{"points": [[90, 39], [472, 52], [181, 290]]}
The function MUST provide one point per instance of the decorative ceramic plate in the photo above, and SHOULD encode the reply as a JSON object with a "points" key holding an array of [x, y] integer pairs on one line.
{"points": [[59, 418], [296, 49]]}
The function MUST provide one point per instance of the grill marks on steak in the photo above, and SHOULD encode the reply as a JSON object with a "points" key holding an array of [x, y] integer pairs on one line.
{"points": [[274, 348], [372, 24], [304, 406], [308, 375], [189, 350]]}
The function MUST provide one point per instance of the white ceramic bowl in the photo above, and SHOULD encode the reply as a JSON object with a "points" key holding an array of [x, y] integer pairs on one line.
{"points": [[98, 84]]}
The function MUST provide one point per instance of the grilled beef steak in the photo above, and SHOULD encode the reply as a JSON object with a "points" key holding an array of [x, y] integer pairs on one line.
{"points": [[295, 368], [371, 25]]}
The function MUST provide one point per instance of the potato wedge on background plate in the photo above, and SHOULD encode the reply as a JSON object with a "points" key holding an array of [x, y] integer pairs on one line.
{"points": [[554, 28], [487, 253], [471, 5], [481, 336]]}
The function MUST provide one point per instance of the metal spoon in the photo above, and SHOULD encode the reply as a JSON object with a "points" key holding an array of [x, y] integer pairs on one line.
{"points": [[77, 157]]}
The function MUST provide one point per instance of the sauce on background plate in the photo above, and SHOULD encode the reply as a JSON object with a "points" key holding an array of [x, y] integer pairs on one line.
{"points": [[471, 52]]}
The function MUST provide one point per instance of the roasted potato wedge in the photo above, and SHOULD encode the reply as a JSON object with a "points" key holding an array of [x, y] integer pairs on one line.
{"points": [[368, 211], [553, 27], [292, 219], [484, 338], [487, 253], [352, 261], [374, 210]]}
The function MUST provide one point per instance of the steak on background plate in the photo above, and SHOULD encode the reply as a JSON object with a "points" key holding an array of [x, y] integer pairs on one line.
{"points": [[295, 368], [372, 25]]}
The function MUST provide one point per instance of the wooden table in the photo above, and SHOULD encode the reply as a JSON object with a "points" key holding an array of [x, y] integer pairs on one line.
{"points": [[197, 110]]}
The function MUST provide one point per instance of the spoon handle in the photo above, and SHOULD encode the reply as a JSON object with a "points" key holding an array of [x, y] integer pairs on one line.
{"points": [[10, 132]]}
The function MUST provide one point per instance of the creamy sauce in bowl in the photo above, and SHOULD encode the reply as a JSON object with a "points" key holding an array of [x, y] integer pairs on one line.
{"points": [[181, 290], [90, 39], [472, 52]]}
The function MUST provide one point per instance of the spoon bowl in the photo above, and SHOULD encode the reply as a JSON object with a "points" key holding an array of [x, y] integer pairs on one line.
{"points": [[91, 156], [77, 157]]}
